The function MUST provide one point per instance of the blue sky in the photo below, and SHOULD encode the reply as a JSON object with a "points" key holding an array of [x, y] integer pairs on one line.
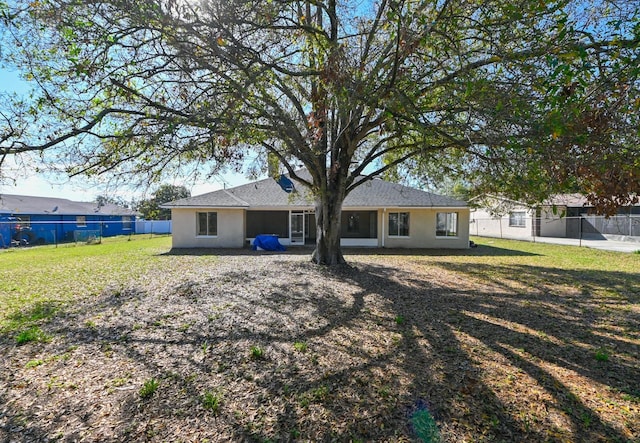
{"points": [[27, 183]]}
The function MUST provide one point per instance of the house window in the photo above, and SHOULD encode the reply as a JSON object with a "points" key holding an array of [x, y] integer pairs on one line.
{"points": [[207, 223], [398, 224], [24, 220], [447, 224], [517, 219], [126, 223], [81, 221]]}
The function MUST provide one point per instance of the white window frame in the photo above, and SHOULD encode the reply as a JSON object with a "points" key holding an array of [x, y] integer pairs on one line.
{"points": [[208, 214], [518, 219], [24, 220], [127, 223], [81, 221], [448, 222], [407, 221]]}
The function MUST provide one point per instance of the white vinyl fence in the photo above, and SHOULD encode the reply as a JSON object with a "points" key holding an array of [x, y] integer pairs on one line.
{"points": [[153, 226]]}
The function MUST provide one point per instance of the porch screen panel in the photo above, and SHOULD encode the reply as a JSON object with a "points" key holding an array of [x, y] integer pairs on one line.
{"points": [[268, 222], [310, 228]]}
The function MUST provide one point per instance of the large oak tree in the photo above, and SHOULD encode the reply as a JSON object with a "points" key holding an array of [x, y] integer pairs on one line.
{"points": [[526, 96]]}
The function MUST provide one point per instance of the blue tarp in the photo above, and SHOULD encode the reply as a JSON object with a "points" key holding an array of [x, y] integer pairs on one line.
{"points": [[268, 243]]}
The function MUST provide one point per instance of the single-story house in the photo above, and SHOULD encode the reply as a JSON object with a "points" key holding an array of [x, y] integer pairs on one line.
{"points": [[572, 216], [494, 216], [42, 220], [564, 216], [375, 214]]}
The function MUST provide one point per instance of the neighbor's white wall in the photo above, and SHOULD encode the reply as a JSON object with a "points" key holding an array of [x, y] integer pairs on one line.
{"points": [[553, 225], [422, 230], [482, 223], [231, 229]]}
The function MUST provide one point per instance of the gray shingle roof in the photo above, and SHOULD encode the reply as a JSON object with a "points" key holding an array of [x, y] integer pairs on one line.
{"points": [[26, 204], [570, 200], [267, 193]]}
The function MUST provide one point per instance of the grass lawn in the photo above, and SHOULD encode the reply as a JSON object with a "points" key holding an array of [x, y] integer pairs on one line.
{"points": [[511, 341], [35, 282]]}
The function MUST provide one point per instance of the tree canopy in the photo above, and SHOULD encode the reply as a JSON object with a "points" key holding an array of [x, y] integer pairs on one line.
{"points": [[150, 208], [102, 200], [525, 97]]}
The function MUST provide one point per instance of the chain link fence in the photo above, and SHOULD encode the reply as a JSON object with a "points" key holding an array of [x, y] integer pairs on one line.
{"points": [[24, 232], [15, 232], [588, 227]]}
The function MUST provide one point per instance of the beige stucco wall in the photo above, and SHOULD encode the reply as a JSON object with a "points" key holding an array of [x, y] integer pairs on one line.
{"points": [[422, 230], [231, 229]]}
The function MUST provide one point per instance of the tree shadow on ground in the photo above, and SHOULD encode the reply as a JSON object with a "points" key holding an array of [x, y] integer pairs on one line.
{"points": [[531, 331], [346, 355], [247, 251], [480, 251]]}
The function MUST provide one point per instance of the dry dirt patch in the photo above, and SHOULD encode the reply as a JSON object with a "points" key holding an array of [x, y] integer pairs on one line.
{"points": [[272, 348]]}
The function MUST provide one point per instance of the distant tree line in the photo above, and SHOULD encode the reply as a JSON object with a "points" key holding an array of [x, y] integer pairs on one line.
{"points": [[149, 208]]}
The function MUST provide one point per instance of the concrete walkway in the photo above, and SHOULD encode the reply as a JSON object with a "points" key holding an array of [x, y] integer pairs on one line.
{"points": [[605, 244]]}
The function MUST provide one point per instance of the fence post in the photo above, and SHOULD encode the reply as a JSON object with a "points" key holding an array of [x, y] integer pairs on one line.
{"points": [[580, 231], [533, 228]]}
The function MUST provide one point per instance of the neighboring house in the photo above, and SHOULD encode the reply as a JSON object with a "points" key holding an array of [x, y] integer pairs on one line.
{"points": [[564, 216], [41, 220], [572, 216], [493, 216], [375, 214]]}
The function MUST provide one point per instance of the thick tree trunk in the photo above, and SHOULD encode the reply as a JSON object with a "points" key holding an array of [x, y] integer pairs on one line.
{"points": [[328, 215]]}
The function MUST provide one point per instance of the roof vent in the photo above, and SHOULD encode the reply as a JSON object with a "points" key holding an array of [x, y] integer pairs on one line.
{"points": [[286, 184]]}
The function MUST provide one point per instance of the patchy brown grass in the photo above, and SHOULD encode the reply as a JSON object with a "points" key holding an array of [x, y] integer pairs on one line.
{"points": [[506, 342]]}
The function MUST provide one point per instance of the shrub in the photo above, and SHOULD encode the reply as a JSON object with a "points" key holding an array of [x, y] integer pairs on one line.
{"points": [[300, 346], [602, 355], [211, 400], [32, 334], [256, 352], [149, 388]]}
